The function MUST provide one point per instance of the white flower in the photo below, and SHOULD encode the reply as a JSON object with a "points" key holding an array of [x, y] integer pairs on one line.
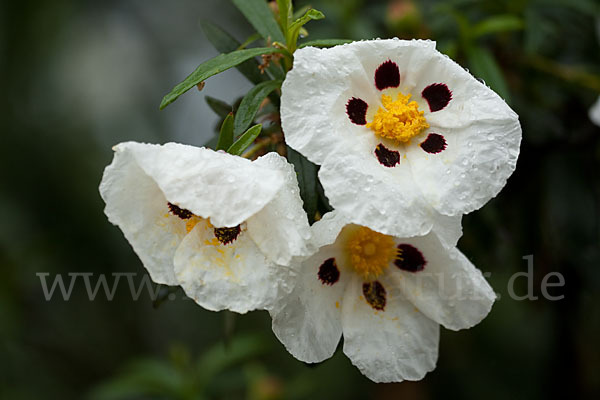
{"points": [[402, 133], [386, 295], [221, 226], [594, 112]]}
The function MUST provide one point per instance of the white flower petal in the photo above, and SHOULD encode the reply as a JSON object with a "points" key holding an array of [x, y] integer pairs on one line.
{"points": [[236, 276], [308, 321], [595, 112], [225, 188], [472, 169], [281, 229], [326, 230], [449, 290], [135, 203], [383, 199], [393, 345]]}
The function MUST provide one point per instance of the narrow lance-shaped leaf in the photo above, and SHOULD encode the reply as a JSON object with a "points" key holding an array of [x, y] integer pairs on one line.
{"points": [[294, 28], [285, 14], [484, 66], [225, 43], [212, 67], [307, 181], [251, 103], [220, 108], [324, 43], [226, 133], [495, 24], [245, 140], [258, 13]]}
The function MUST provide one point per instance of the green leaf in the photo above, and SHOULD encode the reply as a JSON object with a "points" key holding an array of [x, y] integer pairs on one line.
{"points": [[251, 103], [220, 108], [324, 43], [285, 14], [258, 13], [307, 181], [245, 140], [226, 133], [495, 24], [294, 28], [484, 66], [221, 357], [212, 67], [225, 43]]}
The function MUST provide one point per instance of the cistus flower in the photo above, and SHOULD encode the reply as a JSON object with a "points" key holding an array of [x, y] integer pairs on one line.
{"points": [[386, 295], [402, 133], [221, 226]]}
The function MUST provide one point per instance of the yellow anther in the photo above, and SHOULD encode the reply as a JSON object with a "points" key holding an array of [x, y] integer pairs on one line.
{"points": [[399, 120], [370, 252]]}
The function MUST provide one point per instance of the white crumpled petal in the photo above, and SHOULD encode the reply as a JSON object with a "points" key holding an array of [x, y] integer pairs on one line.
{"points": [[398, 344], [449, 290], [385, 200], [236, 277], [225, 188], [135, 203], [308, 321], [281, 229], [595, 112], [482, 134]]}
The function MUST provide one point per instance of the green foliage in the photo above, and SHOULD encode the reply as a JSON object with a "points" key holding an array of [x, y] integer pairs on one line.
{"points": [[245, 140], [221, 108], [324, 43], [307, 180], [226, 133], [212, 67], [251, 103], [258, 13], [225, 43], [484, 66]]}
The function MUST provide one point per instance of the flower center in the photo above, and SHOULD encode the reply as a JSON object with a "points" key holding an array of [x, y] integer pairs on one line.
{"points": [[399, 120], [370, 252]]}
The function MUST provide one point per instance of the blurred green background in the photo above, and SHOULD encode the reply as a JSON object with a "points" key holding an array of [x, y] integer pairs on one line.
{"points": [[79, 76]]}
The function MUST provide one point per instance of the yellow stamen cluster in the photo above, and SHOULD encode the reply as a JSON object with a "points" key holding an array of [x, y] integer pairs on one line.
{"points": [[399, 120], [191, 222], [370, 252]]}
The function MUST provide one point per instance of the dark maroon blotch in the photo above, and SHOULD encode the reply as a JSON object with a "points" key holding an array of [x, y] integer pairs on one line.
{"points": [[411, 259], [375, 294], [227, 235], [357, 111], [387, 75], [435, 143], [437, 95], [386, 157], [180, 212], [329, 272]]}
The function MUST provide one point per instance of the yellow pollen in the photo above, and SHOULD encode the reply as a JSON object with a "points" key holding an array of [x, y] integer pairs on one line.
{"points": [[370, 252], [191, 222], [399, 120]]}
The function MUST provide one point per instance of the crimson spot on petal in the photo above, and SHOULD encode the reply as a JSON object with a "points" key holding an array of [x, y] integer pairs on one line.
{"points": [[357, 111], [410, 258], [375, 294], [329, 272], [434, 143], [386, 157], [387, 75], [227, 235], [180, 212], [437, 95]]}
